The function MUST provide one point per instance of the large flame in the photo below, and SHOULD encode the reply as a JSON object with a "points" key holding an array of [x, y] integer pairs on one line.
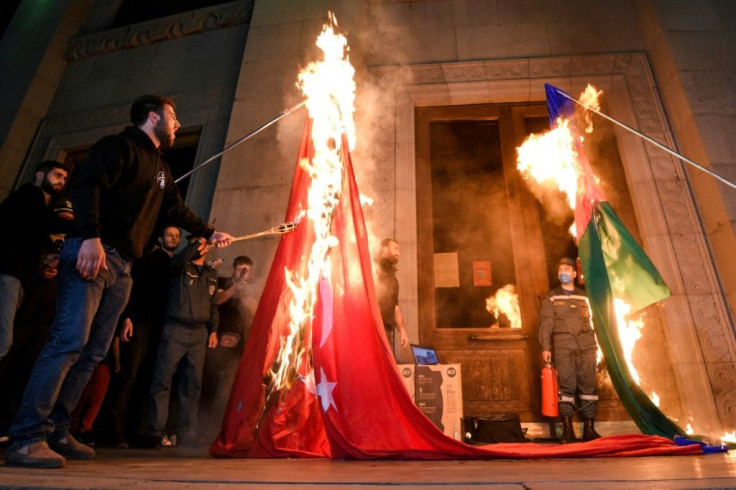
{"points": [[629, 331], [506, 302], [330, 91], [551, 159]]}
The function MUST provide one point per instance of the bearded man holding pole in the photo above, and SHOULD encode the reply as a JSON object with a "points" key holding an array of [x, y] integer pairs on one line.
{"points": [[119, 194]]}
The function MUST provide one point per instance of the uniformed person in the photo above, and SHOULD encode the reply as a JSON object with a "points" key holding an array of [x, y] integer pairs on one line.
{"points": [[566, 327]]}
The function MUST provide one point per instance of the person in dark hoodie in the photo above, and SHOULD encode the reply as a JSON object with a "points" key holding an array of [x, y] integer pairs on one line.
{"points": [[190, 326], [141, 322], [119, 194], [28, 212]]}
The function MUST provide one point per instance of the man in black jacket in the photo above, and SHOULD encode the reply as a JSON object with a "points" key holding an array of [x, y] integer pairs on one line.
{"points": [[142, 322], [119, 194], [190, 326], [27, 212]]}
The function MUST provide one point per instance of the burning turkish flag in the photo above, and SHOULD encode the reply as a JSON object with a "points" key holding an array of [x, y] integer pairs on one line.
{"points": [[329, 387]]}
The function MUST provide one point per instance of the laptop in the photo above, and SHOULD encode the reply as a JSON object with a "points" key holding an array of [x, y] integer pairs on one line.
{"points": [[424, 356]]}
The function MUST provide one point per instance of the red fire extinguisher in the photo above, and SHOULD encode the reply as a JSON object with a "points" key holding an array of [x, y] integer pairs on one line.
{"points": [[549, 390]]}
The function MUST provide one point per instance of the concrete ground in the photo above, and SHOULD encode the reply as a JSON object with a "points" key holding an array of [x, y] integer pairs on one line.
{"points": [[193, 468]]}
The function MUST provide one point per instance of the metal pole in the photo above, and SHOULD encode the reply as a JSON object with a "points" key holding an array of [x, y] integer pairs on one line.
{"points": [[241, 140], [652, 141]]}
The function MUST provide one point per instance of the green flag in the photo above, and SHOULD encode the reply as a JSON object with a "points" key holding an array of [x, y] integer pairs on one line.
{"points": [[615, 267]]}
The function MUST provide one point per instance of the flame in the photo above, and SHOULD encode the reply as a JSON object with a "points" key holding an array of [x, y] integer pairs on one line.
{"points": [[589, 98], [689, 429], [330, 91], [729, 437], [551, 159], [505, 301], [655, 398], [366, 200], [629, 332]]}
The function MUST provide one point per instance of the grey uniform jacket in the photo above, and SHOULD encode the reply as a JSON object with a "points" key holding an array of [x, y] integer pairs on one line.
{"points": [[564, 321], [192, 292]]}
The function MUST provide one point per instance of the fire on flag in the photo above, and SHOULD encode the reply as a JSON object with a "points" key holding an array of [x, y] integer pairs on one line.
{"points": [[318, 378], [620, 278]]}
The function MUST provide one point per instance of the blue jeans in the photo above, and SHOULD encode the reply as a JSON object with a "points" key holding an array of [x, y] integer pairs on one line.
{"points": [[87, 312], [11, 294]]}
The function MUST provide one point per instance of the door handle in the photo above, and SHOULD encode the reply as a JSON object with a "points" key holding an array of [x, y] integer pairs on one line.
{"points": [[491, 338]]}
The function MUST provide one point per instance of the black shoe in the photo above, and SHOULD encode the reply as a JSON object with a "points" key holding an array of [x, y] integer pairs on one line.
{"points": [[85, 438], [151, 441], [589, 432], [568, 434]]}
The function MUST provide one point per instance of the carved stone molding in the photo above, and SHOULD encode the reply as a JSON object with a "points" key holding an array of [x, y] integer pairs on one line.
{"points": [[171, 27], [216, 99]]}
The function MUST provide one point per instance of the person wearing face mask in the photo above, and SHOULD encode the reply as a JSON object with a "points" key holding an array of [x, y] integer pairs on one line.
{"points": [[565, 327]]}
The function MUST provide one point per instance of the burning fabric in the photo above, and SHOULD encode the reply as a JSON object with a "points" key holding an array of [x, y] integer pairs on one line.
{"points": [[619, 276], [318, 378]]}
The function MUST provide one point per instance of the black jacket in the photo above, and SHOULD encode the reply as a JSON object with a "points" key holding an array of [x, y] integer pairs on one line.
{"points": [[192, 292], [121, 191], [28, 219], [387, 290], [148, 296]]}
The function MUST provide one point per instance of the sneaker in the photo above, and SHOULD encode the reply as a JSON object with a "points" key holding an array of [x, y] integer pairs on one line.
{"points": [[71, 448], [168, 442], [37, 455]]}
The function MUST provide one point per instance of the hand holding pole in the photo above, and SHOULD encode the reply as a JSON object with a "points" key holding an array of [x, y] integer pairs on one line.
{"points": [[281, 229]]}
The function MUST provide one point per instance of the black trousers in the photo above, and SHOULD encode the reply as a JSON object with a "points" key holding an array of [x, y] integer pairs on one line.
{"points": [[131, 387]]}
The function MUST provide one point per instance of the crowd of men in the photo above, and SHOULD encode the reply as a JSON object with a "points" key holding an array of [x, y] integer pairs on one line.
{"points": [[99, 321]]}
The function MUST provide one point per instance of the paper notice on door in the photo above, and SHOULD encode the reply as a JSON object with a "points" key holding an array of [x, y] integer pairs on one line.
{"points": [[482, 273], [446, 272]]}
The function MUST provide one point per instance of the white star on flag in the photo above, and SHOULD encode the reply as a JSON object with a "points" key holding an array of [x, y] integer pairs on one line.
{"points": [[324, 391]]}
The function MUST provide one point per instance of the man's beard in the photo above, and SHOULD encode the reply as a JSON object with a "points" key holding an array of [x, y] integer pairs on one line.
{"points": [[392, 261], [49, 188], [165, 138], [168, 248]]}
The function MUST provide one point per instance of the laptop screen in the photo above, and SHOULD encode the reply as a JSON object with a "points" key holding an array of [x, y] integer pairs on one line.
{"points": [[424, 355]]}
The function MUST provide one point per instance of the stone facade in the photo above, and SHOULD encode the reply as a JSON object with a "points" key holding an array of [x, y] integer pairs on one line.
{"points": [[667, 68]]}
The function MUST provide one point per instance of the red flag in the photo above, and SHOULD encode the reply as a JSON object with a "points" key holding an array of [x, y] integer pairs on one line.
{"points": [[343, 396]]}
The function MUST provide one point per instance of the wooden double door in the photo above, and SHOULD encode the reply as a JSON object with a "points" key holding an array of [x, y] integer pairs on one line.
{"points": [[480, 228]]}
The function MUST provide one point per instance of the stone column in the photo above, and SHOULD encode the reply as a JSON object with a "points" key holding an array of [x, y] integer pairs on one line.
{"points": [[30, 81]]}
